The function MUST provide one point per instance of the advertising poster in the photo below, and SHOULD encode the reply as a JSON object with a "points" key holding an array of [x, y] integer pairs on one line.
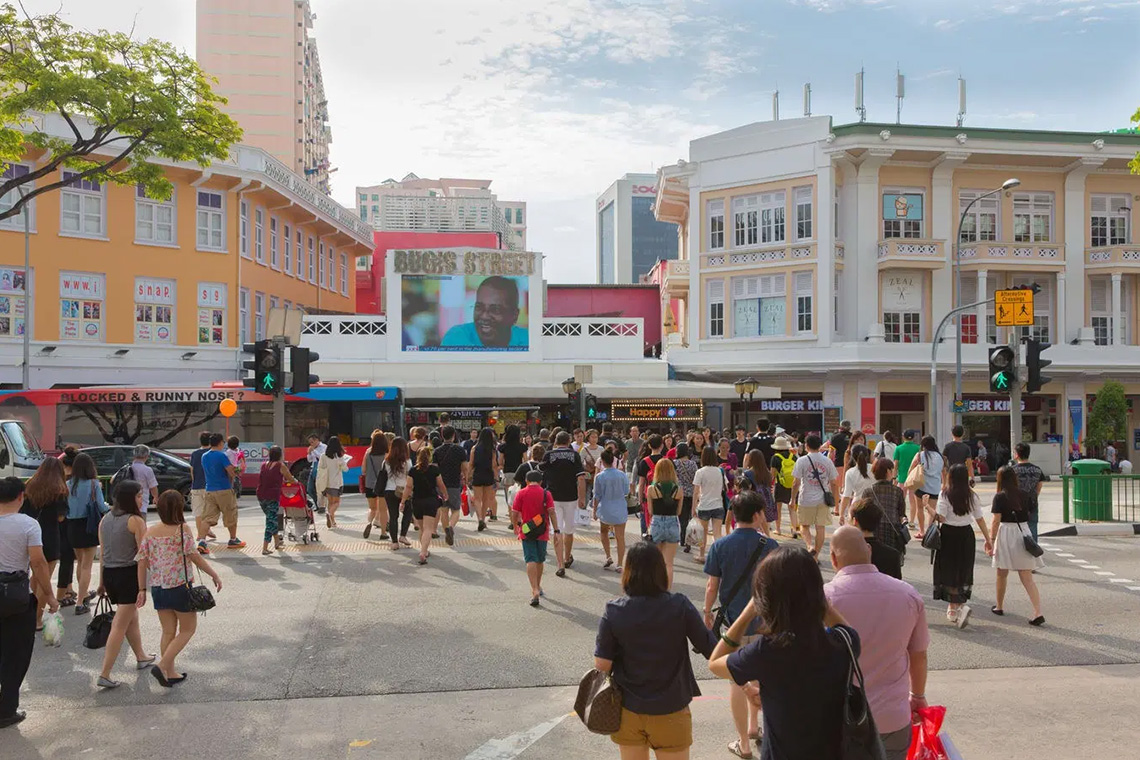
{"points": [[465, 313]]}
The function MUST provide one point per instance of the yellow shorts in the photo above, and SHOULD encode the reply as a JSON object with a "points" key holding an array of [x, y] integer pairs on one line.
{"points": [[668, 733], [818, 515], [223, 504], [198, 501]]}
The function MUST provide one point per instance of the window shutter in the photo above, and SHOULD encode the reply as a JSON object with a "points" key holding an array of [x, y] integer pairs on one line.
{"points": [[1099, 205], [803, 283], [1099, 296], [716, 291], [778, 285], [969, 289], [1118, 203]]}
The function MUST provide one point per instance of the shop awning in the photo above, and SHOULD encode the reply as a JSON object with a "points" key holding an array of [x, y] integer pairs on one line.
{"points": [[605, 391]]}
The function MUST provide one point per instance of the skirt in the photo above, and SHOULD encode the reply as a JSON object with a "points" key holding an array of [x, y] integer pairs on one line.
{"points": [[121, 584], [954, 564], [1009, 549], [78, 536], [783, 494]]}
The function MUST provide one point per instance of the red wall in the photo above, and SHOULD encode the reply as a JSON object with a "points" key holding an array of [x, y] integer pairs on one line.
{"points": [[621, 301], [369, 284]]}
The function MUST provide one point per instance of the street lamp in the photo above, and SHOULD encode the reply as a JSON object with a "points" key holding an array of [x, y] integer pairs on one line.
{"points": [[26, 373], [746, 386], [1009, 184], [570, 386]]}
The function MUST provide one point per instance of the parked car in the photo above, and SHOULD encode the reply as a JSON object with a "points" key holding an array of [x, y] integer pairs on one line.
{"points": [[171, 470]]}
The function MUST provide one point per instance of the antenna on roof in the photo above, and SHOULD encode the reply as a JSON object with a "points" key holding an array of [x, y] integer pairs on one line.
{"points": [[900, 93], [807, 99], [859, 107], [961, 100], [776, 105]]}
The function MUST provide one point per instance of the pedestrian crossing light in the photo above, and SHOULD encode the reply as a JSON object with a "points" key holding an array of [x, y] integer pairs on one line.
{"points": [[268, 372], [591, 407], [1034, 364], [1002, 374]]}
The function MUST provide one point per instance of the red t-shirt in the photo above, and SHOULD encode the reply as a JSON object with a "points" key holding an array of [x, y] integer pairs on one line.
{"points": [[532, 501]]}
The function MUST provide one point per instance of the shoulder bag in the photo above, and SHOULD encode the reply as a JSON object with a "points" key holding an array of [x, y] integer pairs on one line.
{"points": [[932, 538], [828, 496], [899, 527], [860, 739], [15, 593], [1031, 545], [201, 599], [99, 629], [722, 611], [916, 478], [94, 509], [725, 500], [598, 704]]}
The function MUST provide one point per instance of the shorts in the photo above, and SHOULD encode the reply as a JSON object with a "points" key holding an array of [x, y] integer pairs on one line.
{"points": [[710, 514], [920, 493], [783, 494], [820, 514], [534, 551], [427, 507], [370, 493], [330, 492], [78, 536], [198, 501], [454, 498], [666, 733], [121, 584], [174, 599], [666, 529], [221, 504], [507, 480], [567, 512]]}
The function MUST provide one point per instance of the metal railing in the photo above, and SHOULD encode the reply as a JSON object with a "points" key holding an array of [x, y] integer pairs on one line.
{"points": [[431, 213], [1109, 497]]}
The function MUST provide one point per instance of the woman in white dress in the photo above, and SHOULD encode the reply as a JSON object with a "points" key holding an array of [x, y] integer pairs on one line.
{"points": [[1009, 526], [856, 480]]}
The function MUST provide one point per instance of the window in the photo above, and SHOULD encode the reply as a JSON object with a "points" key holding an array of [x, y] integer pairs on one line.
{"points": [[13, 307], [1032, 217], [274, 303], [375, 197], [364, 212], [1100, 310], [344, 274], [243, 228], [243, 314], [716, 308], [212, 313], [154, 219], [902, 301], [772, 217], [803, 293], [902, 214], [363, 263], [312, 261], [745, 220], [331, 268], [518, 216], [363, 197], [968, 321], [835, 227], [259, 235], [836, 290], [81, 207], [300, 270], [803, 213], [154, 310], [1109, 220], [258, 316], [288, 240], [981, 224], [210, 221], [8, 200], [321, 265], [758, 306], [715, 212], [274, 260], [81, 306]]}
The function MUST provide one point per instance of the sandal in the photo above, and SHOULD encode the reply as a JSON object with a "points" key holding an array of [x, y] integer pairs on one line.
{"points": [[404, 541], [735, 748], [68, 601]]}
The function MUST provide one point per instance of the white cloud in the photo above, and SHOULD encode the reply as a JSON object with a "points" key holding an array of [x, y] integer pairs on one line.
{"points": [[947, 25]]}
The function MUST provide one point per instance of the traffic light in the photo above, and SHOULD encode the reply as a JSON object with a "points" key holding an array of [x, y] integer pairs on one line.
{"points": [[268, 372], [575, 399], [591, 408], [1034, 364], [299, 360], [254, 350], [1002, 370]]}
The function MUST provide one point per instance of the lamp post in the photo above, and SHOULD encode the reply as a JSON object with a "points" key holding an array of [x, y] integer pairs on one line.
{"points": [[1009, 184], [746, 386], [570, 386], [26, 373]]}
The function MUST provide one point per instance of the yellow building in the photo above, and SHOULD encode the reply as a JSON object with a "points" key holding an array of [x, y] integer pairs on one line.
{"points": [[129, 289]]}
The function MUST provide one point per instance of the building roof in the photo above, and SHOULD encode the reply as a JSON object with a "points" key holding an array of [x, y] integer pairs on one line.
{"points": [[987, 133]]}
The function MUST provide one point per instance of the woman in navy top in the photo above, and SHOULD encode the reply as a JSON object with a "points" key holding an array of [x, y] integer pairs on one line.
{"points": [[643, 641]]}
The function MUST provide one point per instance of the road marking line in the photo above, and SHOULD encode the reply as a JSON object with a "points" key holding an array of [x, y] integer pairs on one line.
{"points": [[1121, 580], [514, 745], [1059, 554], [1134, 588], [1079, 561], [1103, 572], [1091, 567]]}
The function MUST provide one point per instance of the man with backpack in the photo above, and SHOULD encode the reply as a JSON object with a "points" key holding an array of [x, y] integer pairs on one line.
{"points": [[645, 476], [783, 465], [138, 470], [811, 491]]}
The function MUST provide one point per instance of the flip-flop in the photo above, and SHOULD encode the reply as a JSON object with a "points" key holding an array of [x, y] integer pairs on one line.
{"points": [[735, 748]]}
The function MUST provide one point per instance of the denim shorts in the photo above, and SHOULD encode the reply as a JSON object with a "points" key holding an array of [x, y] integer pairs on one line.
{"points": [[534, 551], [176, 599], [711, 514], [666, 529]]}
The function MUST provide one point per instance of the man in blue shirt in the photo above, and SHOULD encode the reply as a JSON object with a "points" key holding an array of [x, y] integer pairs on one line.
{"points": [[495, 315], [728, 560], [220, 499]]}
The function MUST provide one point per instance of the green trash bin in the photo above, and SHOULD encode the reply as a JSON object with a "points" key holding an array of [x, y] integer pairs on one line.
{"points": [[1092, 497]]}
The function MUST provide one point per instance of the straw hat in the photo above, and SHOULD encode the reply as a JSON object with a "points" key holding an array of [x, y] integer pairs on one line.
{"points": [[781, 444]]}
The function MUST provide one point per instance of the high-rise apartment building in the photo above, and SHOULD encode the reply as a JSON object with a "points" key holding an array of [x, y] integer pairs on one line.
{"points": [[630, 240], [268, 69]]}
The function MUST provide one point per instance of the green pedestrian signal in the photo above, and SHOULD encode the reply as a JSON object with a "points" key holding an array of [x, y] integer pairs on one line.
{"points": [[1003, 371], [267, 384], [1001, 381]]}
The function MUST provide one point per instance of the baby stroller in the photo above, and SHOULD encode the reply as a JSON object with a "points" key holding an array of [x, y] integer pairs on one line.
{"points": [[298, 514]]}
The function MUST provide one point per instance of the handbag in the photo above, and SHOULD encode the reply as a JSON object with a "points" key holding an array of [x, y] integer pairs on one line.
{"points": [[828, 496], [598, 703], [932, 538], [860, 739], [917, 475], [99, 629], [201, 599], [94, 511], [1031, 546]]}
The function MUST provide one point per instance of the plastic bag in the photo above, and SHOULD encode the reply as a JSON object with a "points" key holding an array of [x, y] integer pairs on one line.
{"points": [[512, 492], [465, 502], [924, 741], [582, 519], [694, 534], [53, 629]]}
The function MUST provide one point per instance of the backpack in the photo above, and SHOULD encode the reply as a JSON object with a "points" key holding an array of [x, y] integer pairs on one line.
{"points": [[649, 476], [126, 472], [787, 466]]}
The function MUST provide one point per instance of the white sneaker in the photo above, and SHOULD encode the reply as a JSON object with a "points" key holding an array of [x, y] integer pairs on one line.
{"points": [[963, 616]]}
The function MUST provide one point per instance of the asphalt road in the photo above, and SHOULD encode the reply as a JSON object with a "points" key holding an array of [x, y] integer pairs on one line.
{"points": [[312, 651]]}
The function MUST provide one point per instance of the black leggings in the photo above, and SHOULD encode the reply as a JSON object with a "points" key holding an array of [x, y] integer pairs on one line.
{"points": [[66, 559], [17, 638], [394, 522], [686, 515]]}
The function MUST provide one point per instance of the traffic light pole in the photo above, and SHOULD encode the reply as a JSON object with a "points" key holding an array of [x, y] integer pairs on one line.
{"points": [[279, 405], [934, 359], [1015, 395], [582, 408]]}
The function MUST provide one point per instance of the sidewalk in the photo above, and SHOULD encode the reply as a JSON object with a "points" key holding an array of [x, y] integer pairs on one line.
{"points": [[1051, 513]]}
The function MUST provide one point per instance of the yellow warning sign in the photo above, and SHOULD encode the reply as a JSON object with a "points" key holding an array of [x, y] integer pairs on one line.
{"points": [[1013, 308]]}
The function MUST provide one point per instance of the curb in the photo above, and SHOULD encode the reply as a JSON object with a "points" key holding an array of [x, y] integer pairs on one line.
{"points": [[1096, 529]]}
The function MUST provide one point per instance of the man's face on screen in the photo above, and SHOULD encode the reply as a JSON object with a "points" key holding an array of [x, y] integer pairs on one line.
{"points": [[495, 315]]}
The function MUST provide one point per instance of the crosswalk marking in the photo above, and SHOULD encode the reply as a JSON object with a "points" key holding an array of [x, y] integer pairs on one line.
{"points": [[1121, 580], [1104, 572], [1059, 554]]}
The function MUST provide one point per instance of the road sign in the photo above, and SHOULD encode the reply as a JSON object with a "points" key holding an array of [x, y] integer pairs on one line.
{"points": [[1013, 307], [958, 406]]}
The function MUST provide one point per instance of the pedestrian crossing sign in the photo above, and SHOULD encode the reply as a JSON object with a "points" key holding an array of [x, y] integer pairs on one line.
{"points": [[1013, 308]]}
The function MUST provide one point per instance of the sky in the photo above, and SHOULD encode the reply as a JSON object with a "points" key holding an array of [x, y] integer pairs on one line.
{"points": [[555, 99]]}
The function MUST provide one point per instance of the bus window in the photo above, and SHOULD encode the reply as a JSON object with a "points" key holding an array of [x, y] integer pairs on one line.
{"points": [[24, 444], [368, 416]]}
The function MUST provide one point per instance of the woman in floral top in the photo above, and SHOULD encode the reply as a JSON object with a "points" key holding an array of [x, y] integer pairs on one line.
{"points": [[686, 468], [166, 552]]}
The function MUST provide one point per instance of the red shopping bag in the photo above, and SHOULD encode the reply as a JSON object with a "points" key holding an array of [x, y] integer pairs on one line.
{"points": [[463, 503], [924, 741]]}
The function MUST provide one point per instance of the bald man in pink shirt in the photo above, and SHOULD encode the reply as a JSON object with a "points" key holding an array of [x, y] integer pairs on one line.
{"points": [[891, 620]]}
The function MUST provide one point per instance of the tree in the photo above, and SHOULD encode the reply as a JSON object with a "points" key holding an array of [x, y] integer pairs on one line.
{"points": [[122, 100], [1108, 417], [1134, 165]]}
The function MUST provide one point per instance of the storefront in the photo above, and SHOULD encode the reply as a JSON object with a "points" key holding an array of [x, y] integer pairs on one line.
{"points": [[795, 413], [658, 415], [902, 411], [465, 419], [987, 422]]}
